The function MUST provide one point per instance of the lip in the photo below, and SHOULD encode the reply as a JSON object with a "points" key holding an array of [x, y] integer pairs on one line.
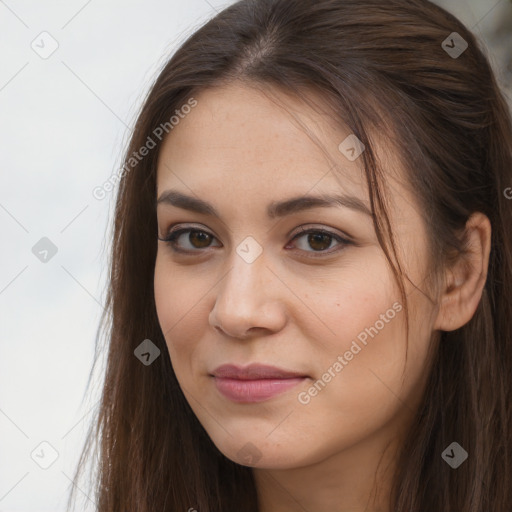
{"points": [[254, 383], [254, 371]]}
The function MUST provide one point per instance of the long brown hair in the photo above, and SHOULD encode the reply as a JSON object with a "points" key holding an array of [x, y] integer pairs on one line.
{"points": [[379, 65]]}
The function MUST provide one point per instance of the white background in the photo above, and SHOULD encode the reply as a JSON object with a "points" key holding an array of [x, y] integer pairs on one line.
{"points": [[63, 123]]}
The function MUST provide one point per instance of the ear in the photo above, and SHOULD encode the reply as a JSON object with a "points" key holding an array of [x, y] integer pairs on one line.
{"points": [[465, 280]]}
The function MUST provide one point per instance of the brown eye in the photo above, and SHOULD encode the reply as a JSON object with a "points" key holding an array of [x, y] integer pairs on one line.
{"points": [[320, 240], [316, 241], [197, 239]]}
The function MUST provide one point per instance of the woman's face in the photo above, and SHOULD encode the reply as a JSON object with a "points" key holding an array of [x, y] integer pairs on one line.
{"points": [[252, 288]]}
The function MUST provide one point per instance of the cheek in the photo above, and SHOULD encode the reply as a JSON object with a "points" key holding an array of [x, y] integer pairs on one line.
{"points": [[361, 307], [179, 308], [362, 377], [363, 349]]}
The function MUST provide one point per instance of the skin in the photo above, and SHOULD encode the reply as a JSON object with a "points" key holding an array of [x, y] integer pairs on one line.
{"points": [[239, 150]]}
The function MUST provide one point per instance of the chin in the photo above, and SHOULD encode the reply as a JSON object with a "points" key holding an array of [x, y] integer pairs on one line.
{"points": [[258, 452]]}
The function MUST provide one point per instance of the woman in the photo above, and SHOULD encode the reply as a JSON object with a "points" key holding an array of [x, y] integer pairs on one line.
{"points": [[310, 294]]}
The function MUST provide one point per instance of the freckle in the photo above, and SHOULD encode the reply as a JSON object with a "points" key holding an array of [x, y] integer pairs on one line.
{"points": [[337, 304]]}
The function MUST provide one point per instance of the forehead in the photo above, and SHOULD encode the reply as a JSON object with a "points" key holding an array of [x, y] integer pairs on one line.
{"points": [[262, 146], [240, 135]]}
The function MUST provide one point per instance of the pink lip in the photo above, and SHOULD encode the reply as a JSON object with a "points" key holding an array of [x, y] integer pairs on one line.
{"points": [[254, 383]]}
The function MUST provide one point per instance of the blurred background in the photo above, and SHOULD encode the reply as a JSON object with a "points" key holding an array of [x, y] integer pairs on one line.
{"points": [[491, 21], [73, 75]]}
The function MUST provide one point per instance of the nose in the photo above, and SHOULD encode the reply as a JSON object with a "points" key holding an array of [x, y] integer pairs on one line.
{"points": [[250, 300]]}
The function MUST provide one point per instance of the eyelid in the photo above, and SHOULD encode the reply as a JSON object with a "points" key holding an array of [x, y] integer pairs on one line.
{"points": [[184, 227], [343, 239], [292, 234], [328, 230]]}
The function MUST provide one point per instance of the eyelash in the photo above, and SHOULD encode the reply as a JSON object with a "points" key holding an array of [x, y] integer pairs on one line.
{"points": [[174, 235]]}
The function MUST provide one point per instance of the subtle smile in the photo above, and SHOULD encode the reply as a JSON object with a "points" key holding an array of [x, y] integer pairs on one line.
{"points": [[254, 383]]}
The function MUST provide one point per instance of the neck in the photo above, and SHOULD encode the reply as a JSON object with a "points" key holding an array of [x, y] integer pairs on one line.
{"points": [[357, 479]]}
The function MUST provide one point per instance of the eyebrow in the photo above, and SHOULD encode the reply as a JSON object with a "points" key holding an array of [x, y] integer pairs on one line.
{"points": [[274, 210]]}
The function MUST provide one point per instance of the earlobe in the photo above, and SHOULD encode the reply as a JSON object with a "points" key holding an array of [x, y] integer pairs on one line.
{"points": [[465, 281]]}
